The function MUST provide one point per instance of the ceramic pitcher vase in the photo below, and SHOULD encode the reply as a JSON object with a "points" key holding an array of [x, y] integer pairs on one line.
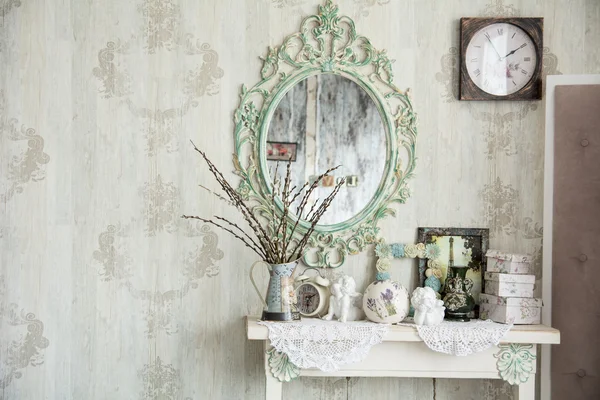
{"points": [[280, 302], [458, 299]]}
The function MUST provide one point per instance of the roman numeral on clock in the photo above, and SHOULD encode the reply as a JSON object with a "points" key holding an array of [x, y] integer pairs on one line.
{"points": [[500, 31], [474, 59], [524, 72], [477, 72]]}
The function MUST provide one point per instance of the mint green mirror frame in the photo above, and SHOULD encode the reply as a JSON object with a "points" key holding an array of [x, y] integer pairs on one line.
{"points": [[327, 44]]}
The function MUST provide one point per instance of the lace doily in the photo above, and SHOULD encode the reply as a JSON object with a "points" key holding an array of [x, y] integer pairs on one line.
{"points": [[326, 345], [462, 338]]}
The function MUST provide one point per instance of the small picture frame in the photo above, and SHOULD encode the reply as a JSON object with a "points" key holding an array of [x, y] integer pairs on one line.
{"points": [[328, 181], [469, 246], [281, 151], [352, 180]]}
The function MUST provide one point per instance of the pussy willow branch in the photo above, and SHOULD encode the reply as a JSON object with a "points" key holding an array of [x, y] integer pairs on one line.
{"points": [[267, 245], [304, 200], [299, 249], [208, 221], [242, 231], [217, 195], [286, 204], [312, 187], [272, 244]]}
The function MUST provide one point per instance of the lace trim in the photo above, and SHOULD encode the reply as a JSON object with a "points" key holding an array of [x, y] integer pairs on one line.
{"points": [[326, 345]]}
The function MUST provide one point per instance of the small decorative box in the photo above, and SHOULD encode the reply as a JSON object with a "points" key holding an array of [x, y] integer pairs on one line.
{"points": [[494, 276], [498, 261], [509, 285], [510, 310]]}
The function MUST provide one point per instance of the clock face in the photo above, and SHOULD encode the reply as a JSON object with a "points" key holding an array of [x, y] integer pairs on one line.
{"points": [[308, 298], [501, 59]]}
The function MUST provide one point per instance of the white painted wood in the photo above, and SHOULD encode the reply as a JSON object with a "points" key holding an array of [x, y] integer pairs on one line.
{"points": [[539, 334], [527, 389], [273, 388], [551, 83]]}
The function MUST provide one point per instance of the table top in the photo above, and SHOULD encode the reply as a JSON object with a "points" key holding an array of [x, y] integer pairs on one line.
{"points": [[537, 334]]}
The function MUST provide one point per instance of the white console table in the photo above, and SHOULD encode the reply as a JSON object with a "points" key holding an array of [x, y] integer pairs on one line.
{"points": [[403, 354]]}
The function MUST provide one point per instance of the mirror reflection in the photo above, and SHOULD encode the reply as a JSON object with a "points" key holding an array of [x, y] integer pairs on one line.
{"points": [[324, 121]]}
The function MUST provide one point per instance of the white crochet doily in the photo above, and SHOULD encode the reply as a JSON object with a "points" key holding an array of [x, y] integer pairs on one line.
{"points": [[326, 345], [462, 338]]}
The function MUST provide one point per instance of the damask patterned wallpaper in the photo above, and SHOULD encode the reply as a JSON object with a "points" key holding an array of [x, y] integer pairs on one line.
{"points": [[105, 293]]}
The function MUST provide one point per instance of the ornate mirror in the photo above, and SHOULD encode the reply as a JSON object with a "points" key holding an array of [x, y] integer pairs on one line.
{"points": [[327, 98]]}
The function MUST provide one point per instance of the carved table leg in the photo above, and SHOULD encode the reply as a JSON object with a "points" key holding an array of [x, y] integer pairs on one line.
{"points": [[274, 388], [278, 369]]}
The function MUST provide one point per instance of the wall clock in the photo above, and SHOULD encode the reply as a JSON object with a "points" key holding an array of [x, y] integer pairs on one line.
{"points": [[501, 58], [312, 295]]}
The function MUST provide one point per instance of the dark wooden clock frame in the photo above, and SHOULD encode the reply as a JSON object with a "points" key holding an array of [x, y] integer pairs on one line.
{"points": [[534, 27]]}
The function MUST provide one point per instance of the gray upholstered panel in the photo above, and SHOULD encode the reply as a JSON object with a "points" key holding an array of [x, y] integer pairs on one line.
{"points": [[576, 248]]}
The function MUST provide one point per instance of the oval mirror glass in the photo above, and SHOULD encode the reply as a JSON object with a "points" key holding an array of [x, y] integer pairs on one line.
{"points": [[324, 121]]}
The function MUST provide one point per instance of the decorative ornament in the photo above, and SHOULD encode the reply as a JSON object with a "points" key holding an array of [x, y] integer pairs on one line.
{"points": [[382, 276], [428, 309], [411, 250], [383, 264], [421, 250], [458, 299], [281, 367], [397, 250], [383, 250], [386, 302], [432, 251], [433, 283], [515, 362], [345, 302]]}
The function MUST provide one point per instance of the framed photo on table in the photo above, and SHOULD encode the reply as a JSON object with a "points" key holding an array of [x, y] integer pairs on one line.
{"points": [[459, 247]]}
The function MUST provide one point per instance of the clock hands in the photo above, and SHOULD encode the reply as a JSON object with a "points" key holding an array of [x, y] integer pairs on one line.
{"points": [[493, 47], [514, 51]]}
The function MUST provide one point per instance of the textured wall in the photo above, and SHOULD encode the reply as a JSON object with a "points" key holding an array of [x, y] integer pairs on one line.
{"points": [[106, 294]]}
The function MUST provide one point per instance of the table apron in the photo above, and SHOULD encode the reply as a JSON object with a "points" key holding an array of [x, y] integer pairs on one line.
{"points": [[415, 359]]}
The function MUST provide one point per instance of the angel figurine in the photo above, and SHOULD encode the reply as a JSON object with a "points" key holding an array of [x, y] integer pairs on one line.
{"points": [[428, 309], [343, 300]]}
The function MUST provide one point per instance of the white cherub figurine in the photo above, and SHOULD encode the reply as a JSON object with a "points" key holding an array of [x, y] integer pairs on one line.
{"points": [[428, 309], [343, 299]]}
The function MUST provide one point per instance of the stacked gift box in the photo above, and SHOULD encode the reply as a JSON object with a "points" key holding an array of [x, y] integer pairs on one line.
{"points": [[509, 284]]}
